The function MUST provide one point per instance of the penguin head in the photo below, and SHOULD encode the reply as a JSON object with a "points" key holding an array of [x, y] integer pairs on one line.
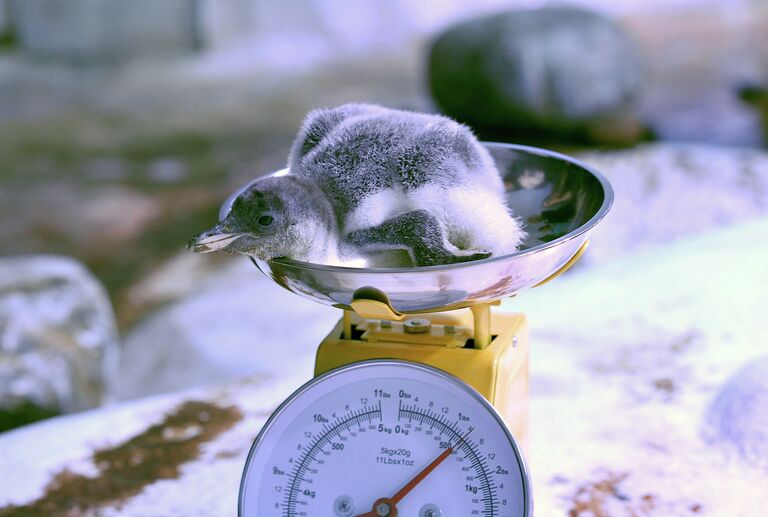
{"points": [[270, 219]]}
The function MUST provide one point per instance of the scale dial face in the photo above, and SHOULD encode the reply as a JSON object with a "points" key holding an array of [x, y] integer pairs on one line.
{"points": [[385, 438]]}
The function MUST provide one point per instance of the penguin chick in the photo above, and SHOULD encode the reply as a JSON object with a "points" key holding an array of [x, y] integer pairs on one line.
{"points": [[286, 216], [366, 179]]}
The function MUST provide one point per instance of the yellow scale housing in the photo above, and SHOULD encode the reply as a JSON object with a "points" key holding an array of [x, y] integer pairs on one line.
{"points": [[488, 353], [498, 371]]}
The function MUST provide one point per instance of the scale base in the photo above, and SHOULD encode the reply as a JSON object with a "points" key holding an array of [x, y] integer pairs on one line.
{"points": [[499, 371]]}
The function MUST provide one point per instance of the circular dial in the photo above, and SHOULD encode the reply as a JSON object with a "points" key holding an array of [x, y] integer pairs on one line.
{"points": [[385, 438]]}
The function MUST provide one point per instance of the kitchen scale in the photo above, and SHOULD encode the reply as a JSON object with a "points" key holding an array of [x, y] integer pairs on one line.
{"points": [[419, 405]]}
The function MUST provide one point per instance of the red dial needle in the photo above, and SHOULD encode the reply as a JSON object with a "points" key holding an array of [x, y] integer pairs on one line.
{"points": [[387, 506]]}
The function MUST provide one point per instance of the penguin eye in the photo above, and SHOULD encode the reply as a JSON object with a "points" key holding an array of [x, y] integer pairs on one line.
{"points": [[264, 220]]}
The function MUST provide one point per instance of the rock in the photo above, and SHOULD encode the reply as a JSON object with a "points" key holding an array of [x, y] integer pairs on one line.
{"points": [[738, 416], [562, 70], [234, 323], [622, 373], [668, 191], [58, 341]]}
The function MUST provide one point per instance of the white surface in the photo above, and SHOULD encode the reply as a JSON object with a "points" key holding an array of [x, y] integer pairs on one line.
{"points": [[626, 360], [228, 329], [664, 192], [31, 456]]}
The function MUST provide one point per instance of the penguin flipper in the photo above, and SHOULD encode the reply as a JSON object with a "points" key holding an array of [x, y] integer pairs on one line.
{"points": [[417, 232]]}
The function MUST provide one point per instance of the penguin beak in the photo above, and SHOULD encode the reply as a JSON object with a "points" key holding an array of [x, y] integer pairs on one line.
{"points": [[217, 238]]}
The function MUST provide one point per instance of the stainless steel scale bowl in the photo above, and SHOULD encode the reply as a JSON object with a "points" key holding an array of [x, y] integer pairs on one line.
{"points": [[560, 201]]}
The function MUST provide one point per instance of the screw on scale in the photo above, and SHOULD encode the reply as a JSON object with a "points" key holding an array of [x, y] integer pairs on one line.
{"points": [[343, 506], [385, 510], [417, 326], [430, 510]]}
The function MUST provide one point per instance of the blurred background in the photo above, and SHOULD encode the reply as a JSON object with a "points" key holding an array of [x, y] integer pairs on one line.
{"points": [[124, 125]]}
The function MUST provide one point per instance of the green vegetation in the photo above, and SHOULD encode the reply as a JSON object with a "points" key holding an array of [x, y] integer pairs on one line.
{"points": [[8, 39], [23, 414]]}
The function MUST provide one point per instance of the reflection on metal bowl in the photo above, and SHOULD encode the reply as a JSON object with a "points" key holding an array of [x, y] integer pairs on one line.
{"points": [[560, 201]]}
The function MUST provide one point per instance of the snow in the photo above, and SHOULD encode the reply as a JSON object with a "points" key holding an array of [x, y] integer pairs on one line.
{"points": [[625, 362], [667, 191]]}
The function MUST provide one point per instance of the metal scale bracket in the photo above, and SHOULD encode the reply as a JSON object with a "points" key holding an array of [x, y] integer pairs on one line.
{"points": [[374, 307]]}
